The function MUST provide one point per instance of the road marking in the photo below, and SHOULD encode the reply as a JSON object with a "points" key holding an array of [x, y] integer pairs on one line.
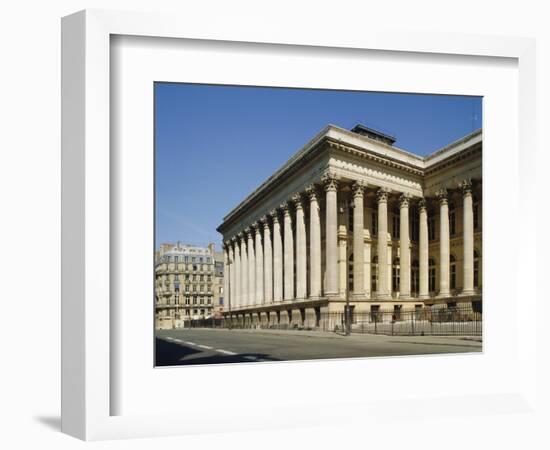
{"points": [[225, 352], [204, 346], [190, 343], [178, 340], [169, 339], [250, 358]]}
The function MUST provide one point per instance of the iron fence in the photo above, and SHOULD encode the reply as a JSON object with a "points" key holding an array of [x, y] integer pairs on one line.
{"points": [[436, 320]]}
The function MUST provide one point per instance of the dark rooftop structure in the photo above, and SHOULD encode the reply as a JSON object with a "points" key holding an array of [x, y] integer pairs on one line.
{"points": [[373, 134]]}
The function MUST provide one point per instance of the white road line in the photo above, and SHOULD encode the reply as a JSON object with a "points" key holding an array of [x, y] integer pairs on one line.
{"points": [[190, 343], [225, 352], [169, 338], [178, 340], [251, 358], [204, 346]]}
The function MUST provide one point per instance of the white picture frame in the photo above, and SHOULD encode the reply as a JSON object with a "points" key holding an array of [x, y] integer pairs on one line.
{"points": [[87, 325]]}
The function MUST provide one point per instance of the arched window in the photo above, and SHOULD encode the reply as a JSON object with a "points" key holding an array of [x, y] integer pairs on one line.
{"points": [[476, 268], [415, 277], [431, 273], [452, 271], [374, 274], [395, 274]]}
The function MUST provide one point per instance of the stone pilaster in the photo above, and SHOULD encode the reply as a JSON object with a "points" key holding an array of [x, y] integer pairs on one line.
{"points": [[314, 243], [331, 238], [444, 243]]}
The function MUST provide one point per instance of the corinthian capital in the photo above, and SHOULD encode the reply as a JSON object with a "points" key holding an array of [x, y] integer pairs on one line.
{"points": [[382, 194], [404, 200], [311, 192], [274, 215], [358, 188], [297, 200], [422, 204], [442, 195], [466, 186], [330, 181]]}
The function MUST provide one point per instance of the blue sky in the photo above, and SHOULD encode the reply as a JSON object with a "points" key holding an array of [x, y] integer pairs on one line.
{"points": [[215, 144]]}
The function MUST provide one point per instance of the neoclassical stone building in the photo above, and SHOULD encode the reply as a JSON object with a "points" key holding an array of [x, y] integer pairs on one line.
{"points": [[352, 214], [188, 284]]}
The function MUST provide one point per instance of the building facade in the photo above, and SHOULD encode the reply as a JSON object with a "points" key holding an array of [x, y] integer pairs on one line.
{"points": [[352, 217], [188, 284]]}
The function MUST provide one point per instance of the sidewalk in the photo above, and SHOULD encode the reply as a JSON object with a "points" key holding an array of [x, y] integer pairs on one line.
{"points": [[473, 341]]}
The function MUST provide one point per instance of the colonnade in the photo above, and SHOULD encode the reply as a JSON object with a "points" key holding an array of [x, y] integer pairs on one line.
{"points": [[267, 262]]}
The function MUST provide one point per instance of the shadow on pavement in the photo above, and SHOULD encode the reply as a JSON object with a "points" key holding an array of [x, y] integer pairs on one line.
{"points": [[173, 354]]}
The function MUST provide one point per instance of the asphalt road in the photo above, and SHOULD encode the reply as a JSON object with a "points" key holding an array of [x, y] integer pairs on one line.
{"points": [[220, 346]]}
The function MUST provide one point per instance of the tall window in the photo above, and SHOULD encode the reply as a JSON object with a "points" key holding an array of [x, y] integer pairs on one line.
{"points": [[476, 269], [374, 274], [414, 228], [476, 215], [395, 275], [396, 232], [415, 277], [431, 228], [350, 272], [374, 222], [452, 220], [452, 270], [350, 219], [431, 273]]}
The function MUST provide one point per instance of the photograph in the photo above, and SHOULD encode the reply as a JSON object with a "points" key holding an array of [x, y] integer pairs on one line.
{"points": [[296, 224]]}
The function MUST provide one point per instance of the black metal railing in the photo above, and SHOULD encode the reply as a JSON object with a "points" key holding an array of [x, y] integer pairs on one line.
{"points": [[436, 320]]}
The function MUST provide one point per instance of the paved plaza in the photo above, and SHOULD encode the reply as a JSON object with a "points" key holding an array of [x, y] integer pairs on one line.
{"points": [[221, 346]]}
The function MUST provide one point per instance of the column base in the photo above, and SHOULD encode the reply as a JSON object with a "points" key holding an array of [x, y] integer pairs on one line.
{"points": [[467, 293], [358, 296]]}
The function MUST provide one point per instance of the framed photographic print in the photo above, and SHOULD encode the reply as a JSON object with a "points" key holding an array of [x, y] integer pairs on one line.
{"points": [[312, 218]]}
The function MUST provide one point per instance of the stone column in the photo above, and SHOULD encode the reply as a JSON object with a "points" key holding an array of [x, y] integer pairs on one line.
{"points": [[226, 275], [358, 240], [288, 260], [331, 238], [268, 263], [314, 243], [251, 267], [383, 291], [404, 248], [301, 249], [259, 264], [238, 274], [468, 237], [277, 258], [366, 265], [423, 250], [444, 244], [244, 271], [232, 303]]}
